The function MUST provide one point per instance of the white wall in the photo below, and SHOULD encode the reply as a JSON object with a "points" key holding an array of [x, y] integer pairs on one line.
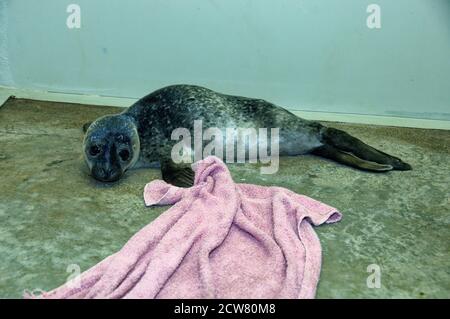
{"points": [[303, 54]]}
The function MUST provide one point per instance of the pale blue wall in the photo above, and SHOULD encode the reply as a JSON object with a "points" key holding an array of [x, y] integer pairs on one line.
{"points": [[303, 54]]}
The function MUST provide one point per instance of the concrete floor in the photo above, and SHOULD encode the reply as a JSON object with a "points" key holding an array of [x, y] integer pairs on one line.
{"points": [[52, 214]]}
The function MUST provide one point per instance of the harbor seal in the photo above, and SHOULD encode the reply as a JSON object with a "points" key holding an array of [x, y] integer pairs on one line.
{"points": [[141, 135]]}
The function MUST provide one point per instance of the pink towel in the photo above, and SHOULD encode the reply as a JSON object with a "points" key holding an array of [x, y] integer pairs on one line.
{"points": [[219, 240]]}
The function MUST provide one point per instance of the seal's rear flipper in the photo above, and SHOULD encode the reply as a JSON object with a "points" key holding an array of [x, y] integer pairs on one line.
{"points": [[86, 126], [349, 144], [349, 159], [180, 175]]}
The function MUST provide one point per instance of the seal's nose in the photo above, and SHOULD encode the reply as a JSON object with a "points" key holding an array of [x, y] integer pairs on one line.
{"points": [[106, 175]]}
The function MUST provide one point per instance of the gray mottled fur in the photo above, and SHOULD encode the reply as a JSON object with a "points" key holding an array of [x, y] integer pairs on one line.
{"points": [[159, 113], [145, 129]]}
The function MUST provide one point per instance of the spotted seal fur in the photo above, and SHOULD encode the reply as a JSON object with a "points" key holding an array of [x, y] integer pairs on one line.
{"points": [[141, 135]]}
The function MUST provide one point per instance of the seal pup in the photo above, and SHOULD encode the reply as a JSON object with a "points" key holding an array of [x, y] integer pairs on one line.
{"points": [[140, 136]]}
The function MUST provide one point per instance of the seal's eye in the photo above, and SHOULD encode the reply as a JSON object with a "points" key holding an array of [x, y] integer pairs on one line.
{"points": [[124, 155], [94, 150]]}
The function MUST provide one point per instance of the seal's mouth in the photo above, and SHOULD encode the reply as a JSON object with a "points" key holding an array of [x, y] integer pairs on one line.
{"points": [[105, 175]]}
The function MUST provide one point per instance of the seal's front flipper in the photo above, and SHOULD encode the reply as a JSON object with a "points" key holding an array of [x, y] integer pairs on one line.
{"points": [[347, 143], [180, 175], [86, 126], [350, 159]]}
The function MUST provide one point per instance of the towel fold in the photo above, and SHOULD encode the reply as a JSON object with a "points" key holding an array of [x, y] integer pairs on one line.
{"points": [[220, 239]]}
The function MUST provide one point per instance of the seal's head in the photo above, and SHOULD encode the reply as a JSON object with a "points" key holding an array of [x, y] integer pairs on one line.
{"points": [[111, 146]]}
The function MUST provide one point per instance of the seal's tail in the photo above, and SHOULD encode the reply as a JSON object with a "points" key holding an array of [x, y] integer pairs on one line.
{"points": [[344, 148]]}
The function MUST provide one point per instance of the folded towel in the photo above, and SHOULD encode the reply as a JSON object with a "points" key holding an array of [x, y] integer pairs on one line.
{"points": [[219, 240]]}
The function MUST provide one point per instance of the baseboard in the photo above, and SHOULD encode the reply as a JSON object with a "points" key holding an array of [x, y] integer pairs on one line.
{"points": [[5, 92], [65, 97], [374, 120]]}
